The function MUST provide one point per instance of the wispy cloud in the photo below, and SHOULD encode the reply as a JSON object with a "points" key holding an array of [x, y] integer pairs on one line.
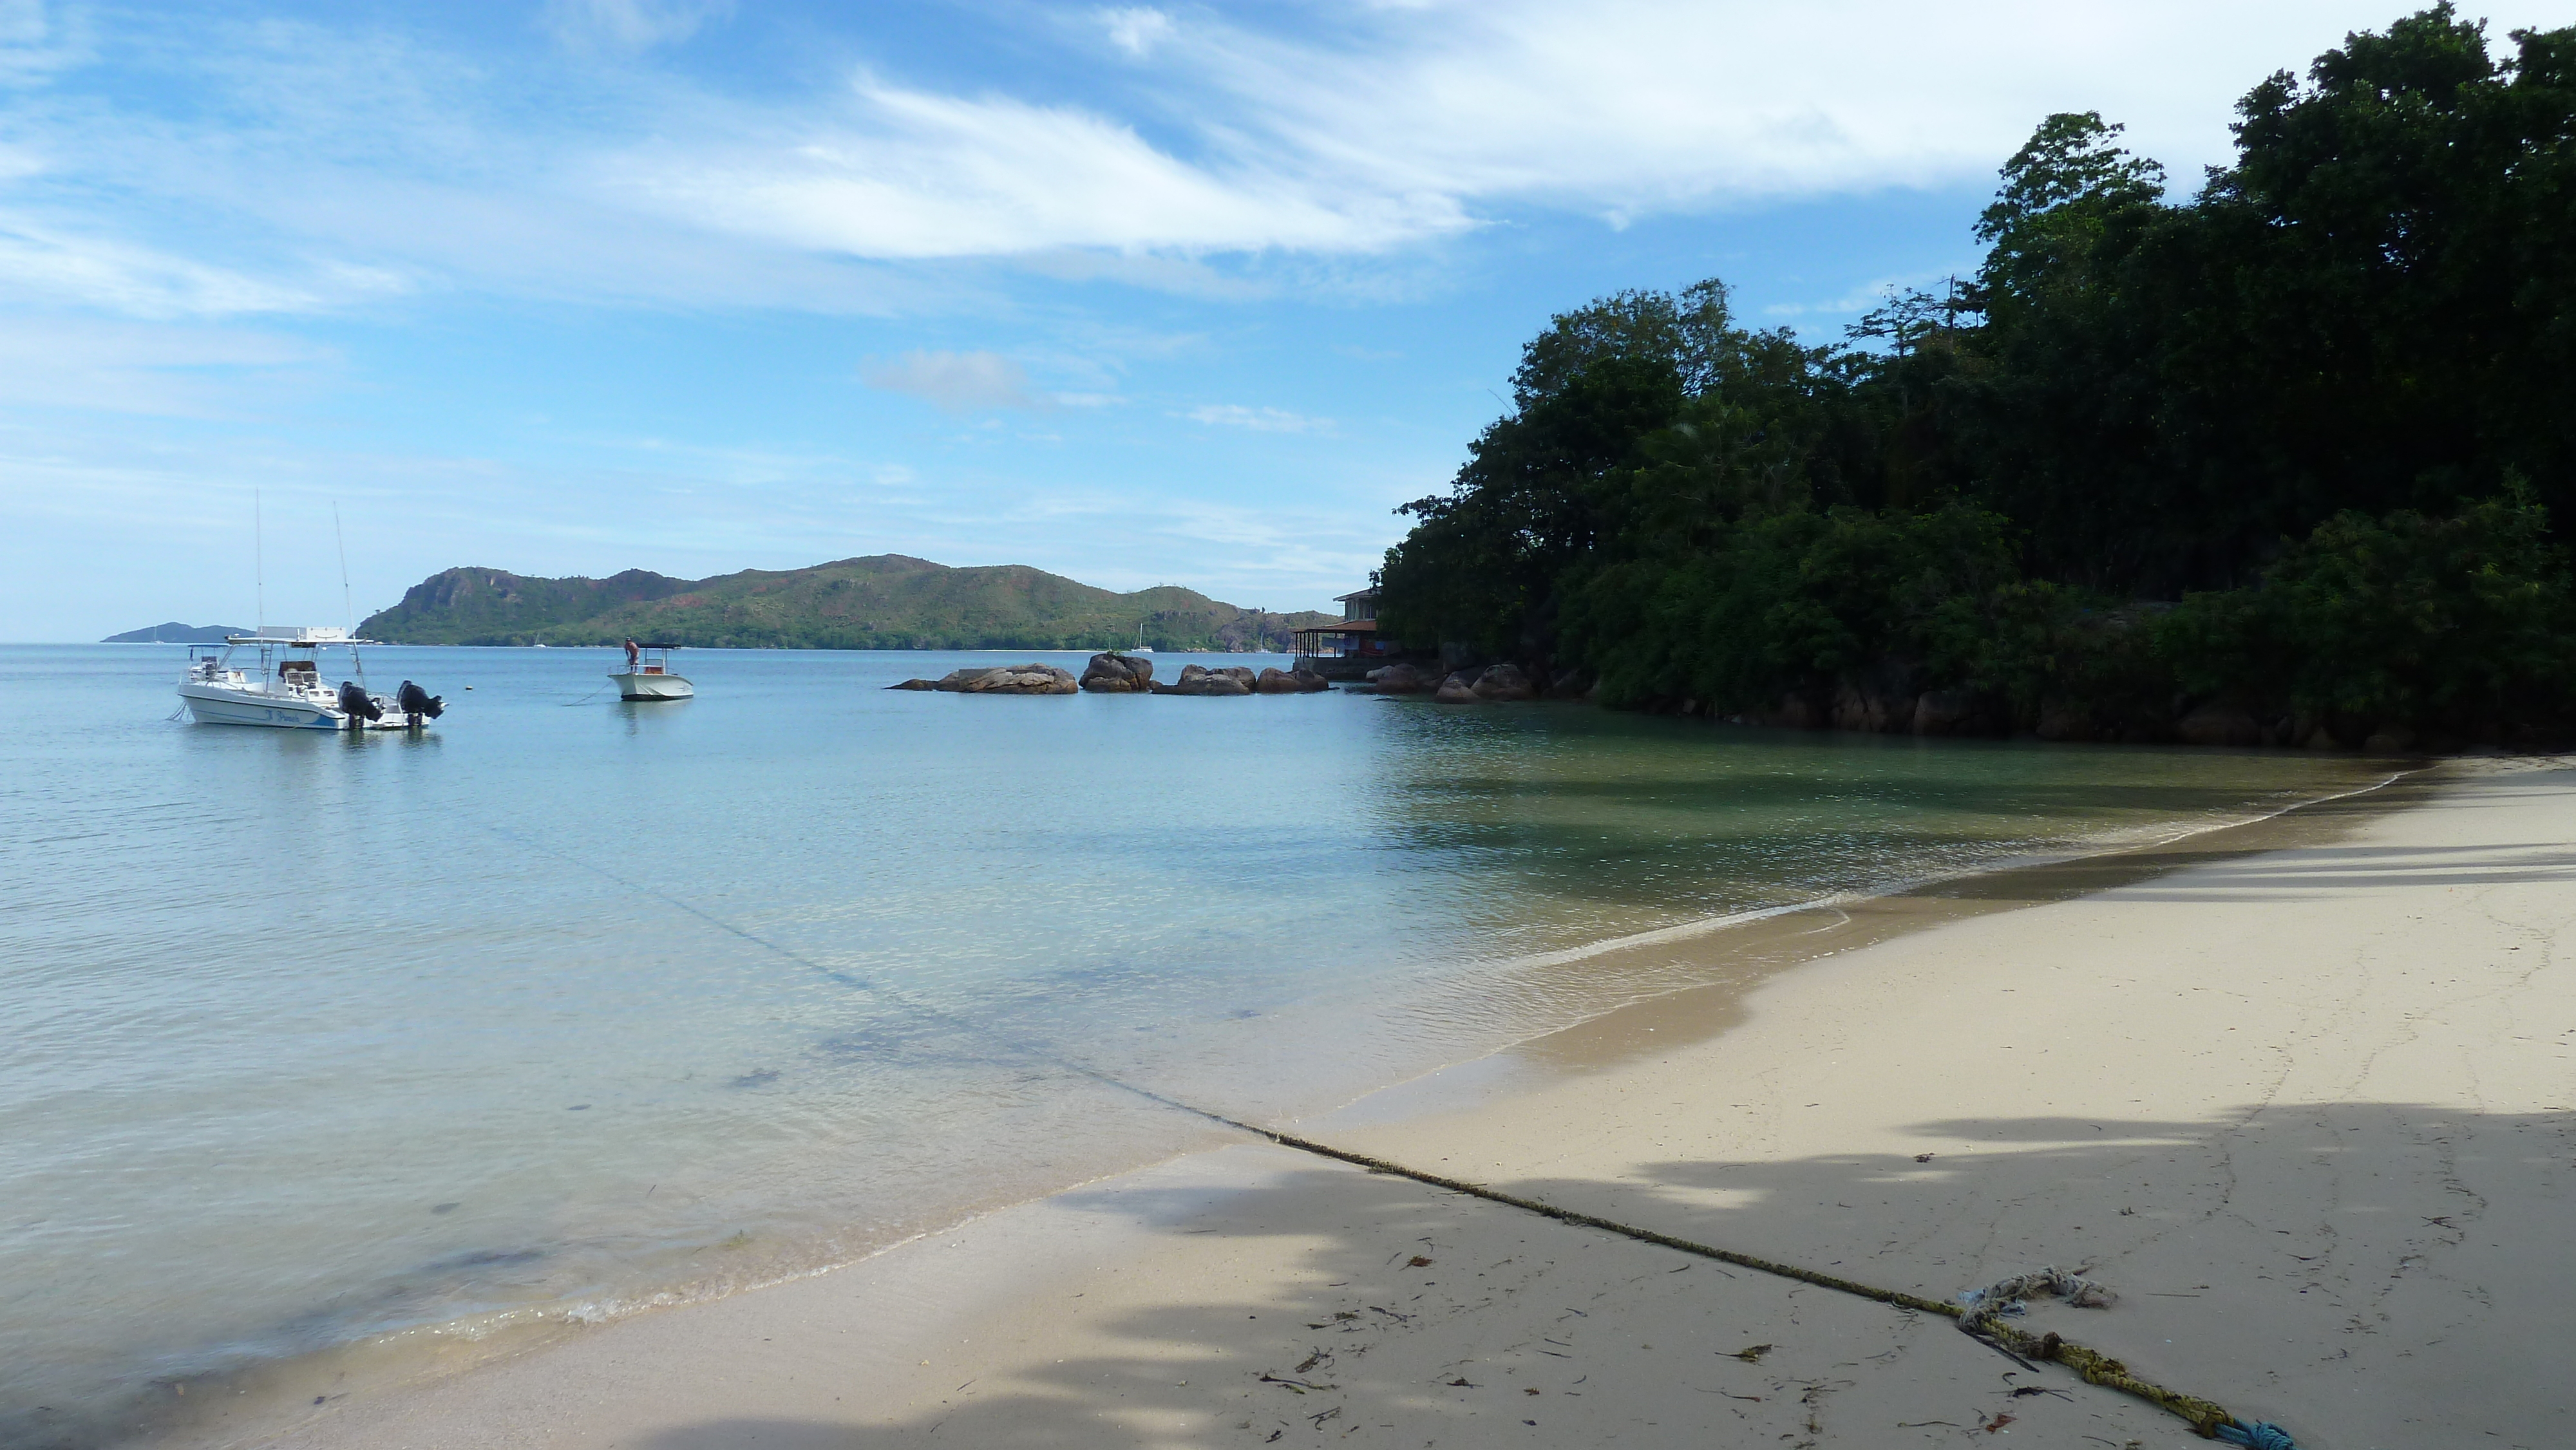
{"points": [[181, 371], [1136, 29], [909, 174], [1262, 141], [630, 25], [1259, 420], [45, 263], [958, 382], [1855, 300], [36, 38]]}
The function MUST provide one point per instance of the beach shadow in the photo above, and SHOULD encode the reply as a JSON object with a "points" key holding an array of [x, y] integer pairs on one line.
{"points": [[2253, 875], [2359, 1271]]}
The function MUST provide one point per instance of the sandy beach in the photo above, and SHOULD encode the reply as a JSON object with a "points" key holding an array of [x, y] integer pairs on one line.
{"points": [[2307, 1111]]}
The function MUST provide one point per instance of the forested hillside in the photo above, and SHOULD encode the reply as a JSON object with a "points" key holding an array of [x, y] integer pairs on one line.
{"points": [[886, 601], [2294, 449]]}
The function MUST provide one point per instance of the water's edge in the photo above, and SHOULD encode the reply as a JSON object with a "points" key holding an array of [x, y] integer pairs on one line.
{"points": [[1739, 952]]}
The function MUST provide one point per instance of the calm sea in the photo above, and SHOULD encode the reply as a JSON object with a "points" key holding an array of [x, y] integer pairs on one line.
{"points": [[570, 1006]]}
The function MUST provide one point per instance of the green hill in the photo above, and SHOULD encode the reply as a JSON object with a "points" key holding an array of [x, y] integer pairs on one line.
{"points": [[884, 601]]}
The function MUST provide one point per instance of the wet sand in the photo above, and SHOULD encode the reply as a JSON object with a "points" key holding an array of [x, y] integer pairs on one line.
{"points": [[2301, 1093]]}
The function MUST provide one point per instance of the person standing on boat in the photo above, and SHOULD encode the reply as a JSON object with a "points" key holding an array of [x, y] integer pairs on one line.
{"points": [[630, 656]]}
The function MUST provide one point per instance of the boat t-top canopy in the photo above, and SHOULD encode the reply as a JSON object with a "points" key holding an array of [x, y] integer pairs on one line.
{"points": [[654, 644], [298, 634]]}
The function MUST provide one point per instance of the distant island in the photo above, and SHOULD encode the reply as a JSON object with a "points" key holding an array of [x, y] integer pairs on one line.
{"points": [[883, 601], [176, 633]]}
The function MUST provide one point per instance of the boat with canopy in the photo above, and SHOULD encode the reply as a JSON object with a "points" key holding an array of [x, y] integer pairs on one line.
{"points": [[285, 689], [648, 674]]}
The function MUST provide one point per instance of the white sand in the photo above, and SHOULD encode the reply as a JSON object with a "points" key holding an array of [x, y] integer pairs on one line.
{"points": [[2309, 1112]]}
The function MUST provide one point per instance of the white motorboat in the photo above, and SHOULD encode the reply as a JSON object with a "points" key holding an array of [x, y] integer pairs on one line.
{"points": [[285, 690], [648, 676]]}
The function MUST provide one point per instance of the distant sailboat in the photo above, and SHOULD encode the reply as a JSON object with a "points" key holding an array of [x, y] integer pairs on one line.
{"points": [[1140, 640]]}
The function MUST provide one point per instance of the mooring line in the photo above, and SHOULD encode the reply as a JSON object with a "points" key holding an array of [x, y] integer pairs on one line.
{"points": [[2206, 1417]]}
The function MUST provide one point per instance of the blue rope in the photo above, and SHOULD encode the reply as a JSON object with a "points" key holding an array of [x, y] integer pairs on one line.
{"points": [[2261, 1435]]}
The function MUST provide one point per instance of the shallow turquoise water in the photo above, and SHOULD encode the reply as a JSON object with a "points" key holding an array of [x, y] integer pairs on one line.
{"points": [[571, 1004]]}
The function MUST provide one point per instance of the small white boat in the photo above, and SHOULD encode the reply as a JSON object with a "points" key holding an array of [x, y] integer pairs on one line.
{"points": [[285, 691], [649, 677]]}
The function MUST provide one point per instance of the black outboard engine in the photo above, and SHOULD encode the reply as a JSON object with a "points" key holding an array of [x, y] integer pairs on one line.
{"points": [[357, 704], [413, 700]]}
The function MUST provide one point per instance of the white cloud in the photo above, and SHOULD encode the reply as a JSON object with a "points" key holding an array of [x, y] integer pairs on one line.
{"points": [[1259, 420], [1856, 299], [957, 382], [1631, 107], [1271, 148], [630, 25], [1136, 29], [183, 371], [45, 263], [924, 175], [36, 39], [1398, 124]]}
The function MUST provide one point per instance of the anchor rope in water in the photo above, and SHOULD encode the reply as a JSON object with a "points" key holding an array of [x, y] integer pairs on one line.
{"points": [[1978, 1317]]}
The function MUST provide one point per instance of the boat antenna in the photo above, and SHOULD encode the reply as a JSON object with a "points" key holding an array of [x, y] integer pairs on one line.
{"points": [[258, 564], [348, 609]]}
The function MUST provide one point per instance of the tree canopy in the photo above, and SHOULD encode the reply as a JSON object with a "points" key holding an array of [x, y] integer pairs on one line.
{"points": [[2355, 342]]}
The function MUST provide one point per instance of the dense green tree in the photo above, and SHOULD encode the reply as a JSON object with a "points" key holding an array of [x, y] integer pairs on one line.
{"points": [[2370, 309], [2456, 624], [1483, 560], [2327, 396]]}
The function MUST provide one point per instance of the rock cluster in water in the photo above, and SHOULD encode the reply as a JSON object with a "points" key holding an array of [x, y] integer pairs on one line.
{"points": [[1240, 680], [1489, 685], [1117, 674], [1029, 679]]}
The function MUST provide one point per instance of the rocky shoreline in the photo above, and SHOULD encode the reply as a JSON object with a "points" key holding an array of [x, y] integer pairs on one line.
{"points": [[1888, 701]]}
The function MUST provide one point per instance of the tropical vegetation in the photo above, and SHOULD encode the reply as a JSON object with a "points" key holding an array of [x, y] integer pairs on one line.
{"points": [[2300, 443]]}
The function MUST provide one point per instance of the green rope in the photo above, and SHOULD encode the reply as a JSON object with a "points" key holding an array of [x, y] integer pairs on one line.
{"points": [[2207, 1418]]}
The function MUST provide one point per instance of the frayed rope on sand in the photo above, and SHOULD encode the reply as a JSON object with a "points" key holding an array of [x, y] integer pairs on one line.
{"points": [[2210, 1419]]}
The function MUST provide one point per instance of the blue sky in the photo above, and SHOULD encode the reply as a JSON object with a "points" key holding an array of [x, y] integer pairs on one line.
{"points": [[1140, 294]]}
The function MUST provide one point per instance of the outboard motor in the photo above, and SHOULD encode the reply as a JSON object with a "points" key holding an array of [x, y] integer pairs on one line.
{"points": [[414, 700], [357, 704]]}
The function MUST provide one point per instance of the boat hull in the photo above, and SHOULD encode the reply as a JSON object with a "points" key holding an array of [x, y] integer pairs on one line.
{"points": [[213, 706], [653, 687]]}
